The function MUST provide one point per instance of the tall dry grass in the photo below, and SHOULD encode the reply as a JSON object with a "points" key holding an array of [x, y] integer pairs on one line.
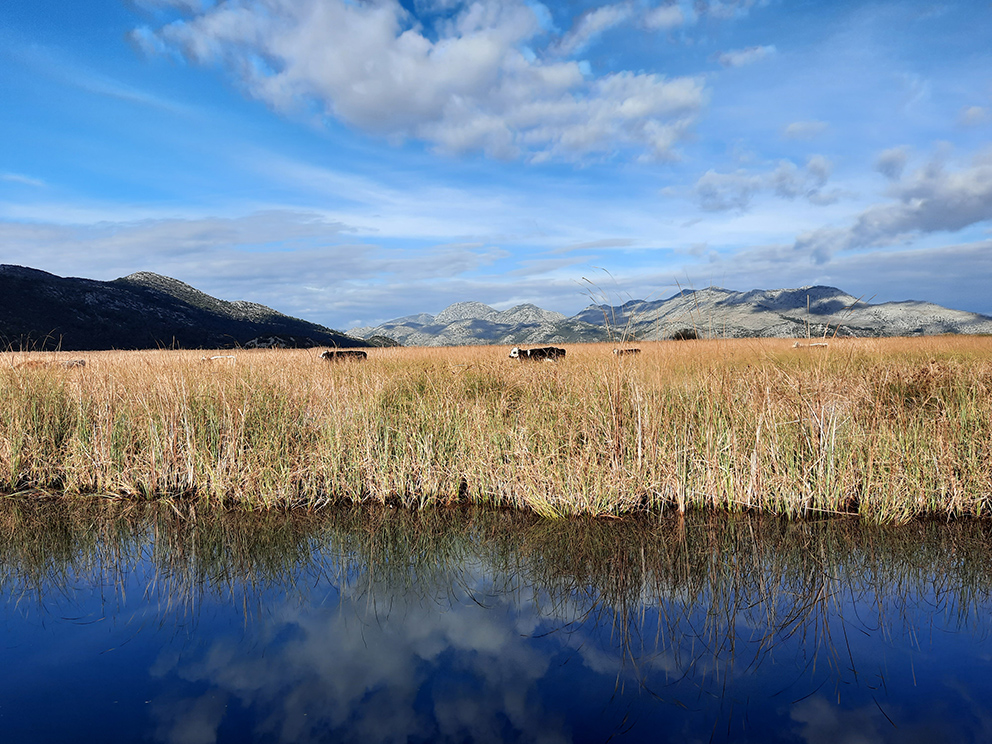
{"points": [[891, 429]]}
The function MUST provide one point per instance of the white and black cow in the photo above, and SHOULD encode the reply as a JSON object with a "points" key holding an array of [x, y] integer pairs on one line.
{"points": [[335, 355], [544, 354], [625, 352]]}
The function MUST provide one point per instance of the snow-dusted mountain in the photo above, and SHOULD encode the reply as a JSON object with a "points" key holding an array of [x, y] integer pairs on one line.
{"points": [[706, 313]]}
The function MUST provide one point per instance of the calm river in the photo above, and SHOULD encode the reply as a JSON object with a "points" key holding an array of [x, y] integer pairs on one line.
{"points": [[124, 623]]}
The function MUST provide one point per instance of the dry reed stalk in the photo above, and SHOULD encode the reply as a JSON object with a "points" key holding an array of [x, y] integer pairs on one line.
{"points": [[887, 428]]}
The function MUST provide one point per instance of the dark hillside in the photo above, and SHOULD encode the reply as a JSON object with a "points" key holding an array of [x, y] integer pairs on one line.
{"points": [[40, 311]]}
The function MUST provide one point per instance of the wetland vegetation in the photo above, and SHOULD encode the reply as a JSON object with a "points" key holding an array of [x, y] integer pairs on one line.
{"points": [[889, 429]]}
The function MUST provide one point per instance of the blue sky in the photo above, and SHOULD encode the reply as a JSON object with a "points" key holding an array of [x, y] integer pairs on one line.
{"points": [[350, 162]]}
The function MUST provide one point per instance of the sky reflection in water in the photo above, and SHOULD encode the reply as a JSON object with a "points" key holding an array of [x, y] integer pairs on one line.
{"points": [[125, 624]]}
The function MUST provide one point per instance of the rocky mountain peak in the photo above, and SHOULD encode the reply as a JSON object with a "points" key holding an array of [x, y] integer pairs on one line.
{"points": [[466, 311], [172, 287], [528, 313]]}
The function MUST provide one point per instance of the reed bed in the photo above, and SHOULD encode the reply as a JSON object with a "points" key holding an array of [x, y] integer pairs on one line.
{"points": [[891, 429]]}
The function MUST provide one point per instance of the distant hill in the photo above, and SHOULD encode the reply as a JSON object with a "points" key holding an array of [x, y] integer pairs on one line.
{"points": [[39, 311], [704, 313]]}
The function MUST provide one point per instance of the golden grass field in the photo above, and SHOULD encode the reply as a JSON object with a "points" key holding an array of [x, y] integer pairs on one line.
{"points": [[891, 429]]}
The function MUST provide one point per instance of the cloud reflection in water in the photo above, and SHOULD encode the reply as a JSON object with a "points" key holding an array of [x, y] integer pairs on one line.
{"points": [[478, 626]]}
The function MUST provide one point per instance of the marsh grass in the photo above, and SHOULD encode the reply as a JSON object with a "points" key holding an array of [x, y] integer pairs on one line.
{"points": [[889, 429]]}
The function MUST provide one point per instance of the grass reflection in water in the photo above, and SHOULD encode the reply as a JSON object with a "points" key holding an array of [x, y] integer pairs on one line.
{"points": [[731, 626]]}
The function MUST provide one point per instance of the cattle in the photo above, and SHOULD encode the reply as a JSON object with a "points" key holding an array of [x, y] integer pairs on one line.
{"points": [[335, 355], [230, 358], [544, 354], [625, 352]]}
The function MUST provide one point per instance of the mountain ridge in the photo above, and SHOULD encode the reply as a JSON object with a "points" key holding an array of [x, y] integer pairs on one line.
{"points": [[39, 311], [711, 312]]}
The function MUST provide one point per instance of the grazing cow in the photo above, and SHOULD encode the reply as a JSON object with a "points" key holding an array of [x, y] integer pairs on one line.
{"points": [[625, 352], [544, 354], [334, 355]]}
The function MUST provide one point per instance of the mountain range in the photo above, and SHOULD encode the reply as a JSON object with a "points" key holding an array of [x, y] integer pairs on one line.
{"points": [[41, 311], [705, 313]]}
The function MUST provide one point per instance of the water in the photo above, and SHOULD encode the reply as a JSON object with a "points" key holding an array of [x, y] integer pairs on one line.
{"points": [[147, 624]]}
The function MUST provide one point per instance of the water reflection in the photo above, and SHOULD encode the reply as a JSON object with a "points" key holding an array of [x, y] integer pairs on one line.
{"points": [[124, 622]]}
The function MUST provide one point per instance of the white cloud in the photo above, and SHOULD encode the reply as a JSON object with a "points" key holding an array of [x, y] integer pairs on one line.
{"points": [[742, 57], [664, 18], [672, 14], [717, 192], [930, 200], [482, 85], [804, 130], [590, 25]]}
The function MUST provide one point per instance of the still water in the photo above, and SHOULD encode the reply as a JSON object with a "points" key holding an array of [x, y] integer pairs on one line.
{"points": [[125, 623]]}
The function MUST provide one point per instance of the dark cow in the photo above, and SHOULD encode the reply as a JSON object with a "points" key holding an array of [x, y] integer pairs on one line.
{"points": [[625, 352], [334, 355], [545, 354]]}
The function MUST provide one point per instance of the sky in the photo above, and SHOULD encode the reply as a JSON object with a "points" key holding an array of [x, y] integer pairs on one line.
{"points": [[353, 161]]}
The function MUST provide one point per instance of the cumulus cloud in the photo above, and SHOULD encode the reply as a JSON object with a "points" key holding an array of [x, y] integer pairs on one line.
{"points": [[742, 57], [478, 82], [804, 130], [891, 163], [717, 192], [930, 200]]}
